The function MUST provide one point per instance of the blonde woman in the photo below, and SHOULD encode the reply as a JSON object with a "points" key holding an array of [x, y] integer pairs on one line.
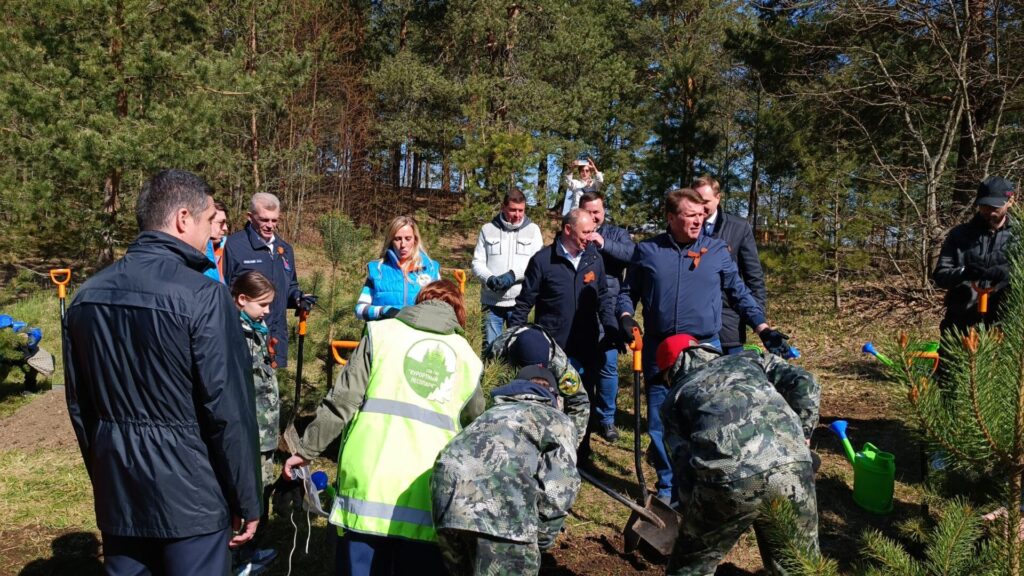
{"points": [[394, 280]]}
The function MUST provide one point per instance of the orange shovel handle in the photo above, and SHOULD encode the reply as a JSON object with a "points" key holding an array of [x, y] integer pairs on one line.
{"points": [[637, 346], [338, 345], [61, 277]]}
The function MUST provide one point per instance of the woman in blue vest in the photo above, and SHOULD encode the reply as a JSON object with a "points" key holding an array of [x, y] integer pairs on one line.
{"points": [[394, 281], [408, 389]]}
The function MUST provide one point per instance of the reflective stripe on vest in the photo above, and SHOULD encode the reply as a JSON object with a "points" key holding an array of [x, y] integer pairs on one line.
{"points": [[419, 384]]}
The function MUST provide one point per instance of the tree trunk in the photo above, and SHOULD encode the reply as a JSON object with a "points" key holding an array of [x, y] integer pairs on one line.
{"points": [[253, 128], [542, 180], [112, 182]]}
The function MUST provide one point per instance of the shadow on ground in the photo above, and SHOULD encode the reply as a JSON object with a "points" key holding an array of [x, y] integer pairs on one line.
{"points": [[74, 553]]}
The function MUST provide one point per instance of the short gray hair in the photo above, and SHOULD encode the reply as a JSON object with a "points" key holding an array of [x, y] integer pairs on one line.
{"points": [[168, 191], [265, 199]]}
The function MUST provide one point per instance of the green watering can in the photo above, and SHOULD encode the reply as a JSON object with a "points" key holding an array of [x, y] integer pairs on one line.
{"points": [[874, 473]]}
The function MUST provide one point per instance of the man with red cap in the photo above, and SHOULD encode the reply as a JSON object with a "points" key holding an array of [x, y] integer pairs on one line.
{"points": [[737, 430]]}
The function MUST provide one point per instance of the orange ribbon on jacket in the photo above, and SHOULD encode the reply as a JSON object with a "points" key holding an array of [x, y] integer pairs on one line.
{"points": [[696, 256]]}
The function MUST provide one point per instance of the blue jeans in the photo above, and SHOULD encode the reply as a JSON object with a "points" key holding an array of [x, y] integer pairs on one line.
{"points": [[494, 320], [656, 395], [366, 555], [733, 350], [607, 389], [590, 374]]}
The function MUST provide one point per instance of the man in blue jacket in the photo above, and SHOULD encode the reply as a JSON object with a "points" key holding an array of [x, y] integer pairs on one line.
{"points": [[566, 284], [160, 394], [616, 249], [680, 276], [257, 247], [739, 238]]}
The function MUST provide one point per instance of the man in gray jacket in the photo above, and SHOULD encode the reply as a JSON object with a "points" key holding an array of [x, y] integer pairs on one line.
{"points": [[503, 249]]}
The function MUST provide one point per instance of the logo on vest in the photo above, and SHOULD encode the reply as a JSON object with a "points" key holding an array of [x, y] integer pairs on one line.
{"points": [[429, 369]]}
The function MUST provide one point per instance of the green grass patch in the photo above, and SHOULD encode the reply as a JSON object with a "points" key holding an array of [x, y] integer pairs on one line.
{"points": [[45, 488]]}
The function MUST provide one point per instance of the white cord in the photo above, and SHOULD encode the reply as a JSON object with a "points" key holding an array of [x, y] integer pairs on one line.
{"points": [[309, 531], [295, 537]]}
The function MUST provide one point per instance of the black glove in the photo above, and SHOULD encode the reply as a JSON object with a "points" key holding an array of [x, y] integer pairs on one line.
{"points": [[997, 274], [494, 283], [774, 341], [389, 312], [507, 280], [626, 326], [307, 301], [974, 272]]}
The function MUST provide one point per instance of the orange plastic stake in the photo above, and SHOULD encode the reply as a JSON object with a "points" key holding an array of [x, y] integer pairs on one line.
{"points": [[338, 345]]}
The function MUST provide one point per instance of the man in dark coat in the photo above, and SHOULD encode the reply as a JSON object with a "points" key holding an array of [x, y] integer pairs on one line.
{"points": [[160, 394], [739, 238], [974, 257], [566, 283], [616, 249], [257, 247]]}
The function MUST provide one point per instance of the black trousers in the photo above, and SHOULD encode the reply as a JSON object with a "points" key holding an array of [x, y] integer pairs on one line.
{"points": [[132, 556]]}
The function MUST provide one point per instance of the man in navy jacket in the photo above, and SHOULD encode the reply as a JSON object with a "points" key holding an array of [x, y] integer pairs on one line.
{"points": [[160, 394], [566, 284], [739, 238], [257, 247], [616, 249], [680, 276]]}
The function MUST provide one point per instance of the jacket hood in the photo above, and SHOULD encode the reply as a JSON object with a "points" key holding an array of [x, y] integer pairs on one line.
{"points": [[155, 241], [431, 316], [692, 359], [503, 225]]}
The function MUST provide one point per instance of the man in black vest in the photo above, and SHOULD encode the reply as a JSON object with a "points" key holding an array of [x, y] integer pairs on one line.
{"points": [[737, 234]]}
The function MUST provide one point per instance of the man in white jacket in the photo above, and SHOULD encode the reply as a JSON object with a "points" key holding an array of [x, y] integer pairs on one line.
{"points": [[503, 249]]}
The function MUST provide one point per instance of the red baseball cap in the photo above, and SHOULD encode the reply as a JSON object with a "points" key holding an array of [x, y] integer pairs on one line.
{"points": [[670, 348]]}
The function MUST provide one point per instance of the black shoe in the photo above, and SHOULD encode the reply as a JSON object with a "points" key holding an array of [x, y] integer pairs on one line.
{"points": [[609, 433]]}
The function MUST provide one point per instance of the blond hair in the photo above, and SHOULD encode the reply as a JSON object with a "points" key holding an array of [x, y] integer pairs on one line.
{"points": [[415, 262]]}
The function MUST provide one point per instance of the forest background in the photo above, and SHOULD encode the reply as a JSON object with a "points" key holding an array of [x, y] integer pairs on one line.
{"points": [[850, 133]]}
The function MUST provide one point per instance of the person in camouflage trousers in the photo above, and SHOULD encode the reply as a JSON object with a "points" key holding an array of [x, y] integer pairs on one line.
{"points": [[738, 431], [502, 488]]}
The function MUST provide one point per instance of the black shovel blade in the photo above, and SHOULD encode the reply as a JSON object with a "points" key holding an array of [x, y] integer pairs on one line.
{"points": [[642, 534]]}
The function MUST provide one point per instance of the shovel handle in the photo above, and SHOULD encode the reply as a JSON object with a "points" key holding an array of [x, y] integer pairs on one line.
{"points": [[460, 276], [983, 297], [338, 345], [645, 513], [637, 346], [303, 316], [61, 277]]}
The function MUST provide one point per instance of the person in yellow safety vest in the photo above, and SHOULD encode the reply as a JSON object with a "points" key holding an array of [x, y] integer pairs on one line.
{"points": [[411, 386]]}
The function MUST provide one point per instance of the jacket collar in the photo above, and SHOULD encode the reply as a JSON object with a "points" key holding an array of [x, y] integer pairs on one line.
{"points": [[156, 242], [257, 241], [431, 316], [501, 224]]}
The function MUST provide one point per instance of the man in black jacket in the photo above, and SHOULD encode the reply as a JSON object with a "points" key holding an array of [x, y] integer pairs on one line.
{"points": [[160, 394], [974, 259], [566, 283], [739, 237], [616, 249]]}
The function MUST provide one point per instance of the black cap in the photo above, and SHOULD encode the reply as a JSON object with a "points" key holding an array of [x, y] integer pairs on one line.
{"points": [[995, 192], [537, 371]]}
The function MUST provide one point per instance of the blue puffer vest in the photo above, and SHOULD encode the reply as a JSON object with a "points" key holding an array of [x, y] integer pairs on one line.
{"points": [[393, 288]]}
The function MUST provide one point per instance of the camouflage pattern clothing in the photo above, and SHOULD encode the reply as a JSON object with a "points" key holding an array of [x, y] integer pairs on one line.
{"points": [[716, 515], [268, 399], [576, 402], [511, 475], [736, 431], [471, 554]]}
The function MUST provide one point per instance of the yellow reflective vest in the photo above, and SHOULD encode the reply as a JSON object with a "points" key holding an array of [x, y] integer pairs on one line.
{"points": [[419, 383]]}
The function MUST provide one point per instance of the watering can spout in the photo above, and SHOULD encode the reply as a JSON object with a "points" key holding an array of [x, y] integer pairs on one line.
{"points": [[839, 429]]}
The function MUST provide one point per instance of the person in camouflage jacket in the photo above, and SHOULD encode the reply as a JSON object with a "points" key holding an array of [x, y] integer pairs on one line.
{"points": [[737, 431], [530, 345], [253, 294], [503, 487]]}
